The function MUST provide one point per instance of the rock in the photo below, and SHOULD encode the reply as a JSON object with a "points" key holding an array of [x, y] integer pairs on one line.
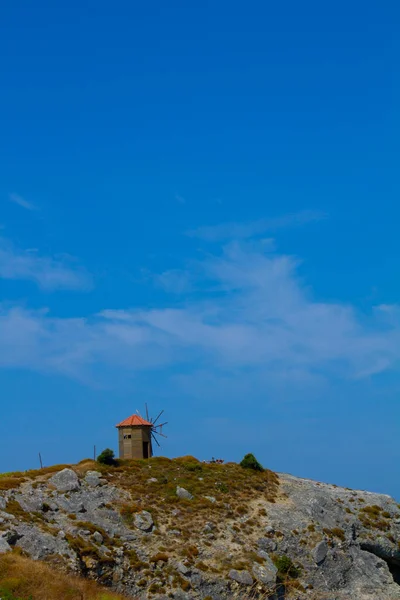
{"points": [[265, 573], [92, 478], [242, 577], [38, 544], [65, 481], [210, 499], [144, 521], [152, 480], [196, 579], [209, 527], [266, 544], [268, 530], [97, 537], [181, 595], [320, 551], [4, 546], [182, 568], [182, 493], [12, 537], [61, 535]]}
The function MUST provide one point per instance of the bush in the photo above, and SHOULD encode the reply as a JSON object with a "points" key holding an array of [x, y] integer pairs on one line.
{"points": [[250, 462], [107, 457], [285, 567]]}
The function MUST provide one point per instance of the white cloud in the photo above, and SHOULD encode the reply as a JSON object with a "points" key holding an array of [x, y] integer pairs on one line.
{"points": [[17, 199], [47, 272], [226, 231], [256, 321]]}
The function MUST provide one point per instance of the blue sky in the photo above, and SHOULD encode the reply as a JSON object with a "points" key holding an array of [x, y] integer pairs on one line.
{"points": [[199, 210]]}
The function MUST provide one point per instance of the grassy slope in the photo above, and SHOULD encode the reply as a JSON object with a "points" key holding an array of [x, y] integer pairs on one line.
{"points": [[23, 579], [234, 489]]}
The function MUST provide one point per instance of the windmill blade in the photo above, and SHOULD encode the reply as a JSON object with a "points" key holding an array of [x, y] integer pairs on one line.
{"points": [[161, 424], [147, 412], [155, 439], [158, 433], [155, 421]]}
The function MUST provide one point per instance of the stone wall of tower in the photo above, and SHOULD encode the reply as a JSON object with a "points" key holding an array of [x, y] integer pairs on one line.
{"points": [[135, 442]]}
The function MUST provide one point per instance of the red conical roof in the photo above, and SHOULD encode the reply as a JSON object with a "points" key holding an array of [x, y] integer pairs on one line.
{"points": [[134, 421]]}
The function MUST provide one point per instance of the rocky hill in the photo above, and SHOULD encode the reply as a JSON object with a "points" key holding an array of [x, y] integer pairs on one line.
{"points": [[183, 529]]}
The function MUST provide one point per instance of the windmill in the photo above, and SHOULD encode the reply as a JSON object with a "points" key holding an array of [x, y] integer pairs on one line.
{"points": [[155, 429], [136, 435]]}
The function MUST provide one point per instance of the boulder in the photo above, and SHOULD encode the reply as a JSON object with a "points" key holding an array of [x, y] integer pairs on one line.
{"points": [[65, 481], [242, 577], [182, 568], [269, 530], [4, 546], [267, 544], [319, 552], [265, 574], [92, 478], [38, 545], [97, 537], [182, 493], [144, 521]]}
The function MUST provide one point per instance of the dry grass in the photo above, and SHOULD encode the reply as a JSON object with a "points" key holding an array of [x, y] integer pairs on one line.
{"points": [[9, 481], [24, 578], [232, 487]]}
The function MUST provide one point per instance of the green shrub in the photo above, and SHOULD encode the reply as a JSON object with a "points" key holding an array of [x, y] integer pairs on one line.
{"points": [[250, 462], [285, 567], [107, 457]]}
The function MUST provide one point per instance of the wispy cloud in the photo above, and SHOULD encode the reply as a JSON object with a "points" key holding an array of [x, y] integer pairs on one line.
{"points": [[257, 323], [49, 273], [231, 230], [180, 199], [17, 199]]}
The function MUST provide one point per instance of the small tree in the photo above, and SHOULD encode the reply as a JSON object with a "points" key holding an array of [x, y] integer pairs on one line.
{"points": [[107, 457], [250, 462]]}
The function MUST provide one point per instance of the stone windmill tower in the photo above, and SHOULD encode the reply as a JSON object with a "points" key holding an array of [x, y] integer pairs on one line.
{"points": [[135, 436]]}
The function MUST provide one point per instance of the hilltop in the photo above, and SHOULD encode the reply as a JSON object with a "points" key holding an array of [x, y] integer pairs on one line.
{"points": [[183, 529]]}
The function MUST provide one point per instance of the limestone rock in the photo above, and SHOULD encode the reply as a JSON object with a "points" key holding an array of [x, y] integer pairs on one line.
{"points": [[38, 544], [144, 521], [182, 493], [65, 481], [265, 573], [242, 577], [320, 551], [93, 478], [182, 568], [266, 545], [97, 537], [4, 546], [269, 530], [210, 499]]}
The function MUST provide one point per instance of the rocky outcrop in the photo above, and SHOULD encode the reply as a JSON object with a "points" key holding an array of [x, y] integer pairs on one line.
{"points": [[309, 540], [65, 481]]}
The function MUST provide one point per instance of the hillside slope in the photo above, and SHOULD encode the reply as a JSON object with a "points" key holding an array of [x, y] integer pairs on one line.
{"points": [[183, 529]]}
